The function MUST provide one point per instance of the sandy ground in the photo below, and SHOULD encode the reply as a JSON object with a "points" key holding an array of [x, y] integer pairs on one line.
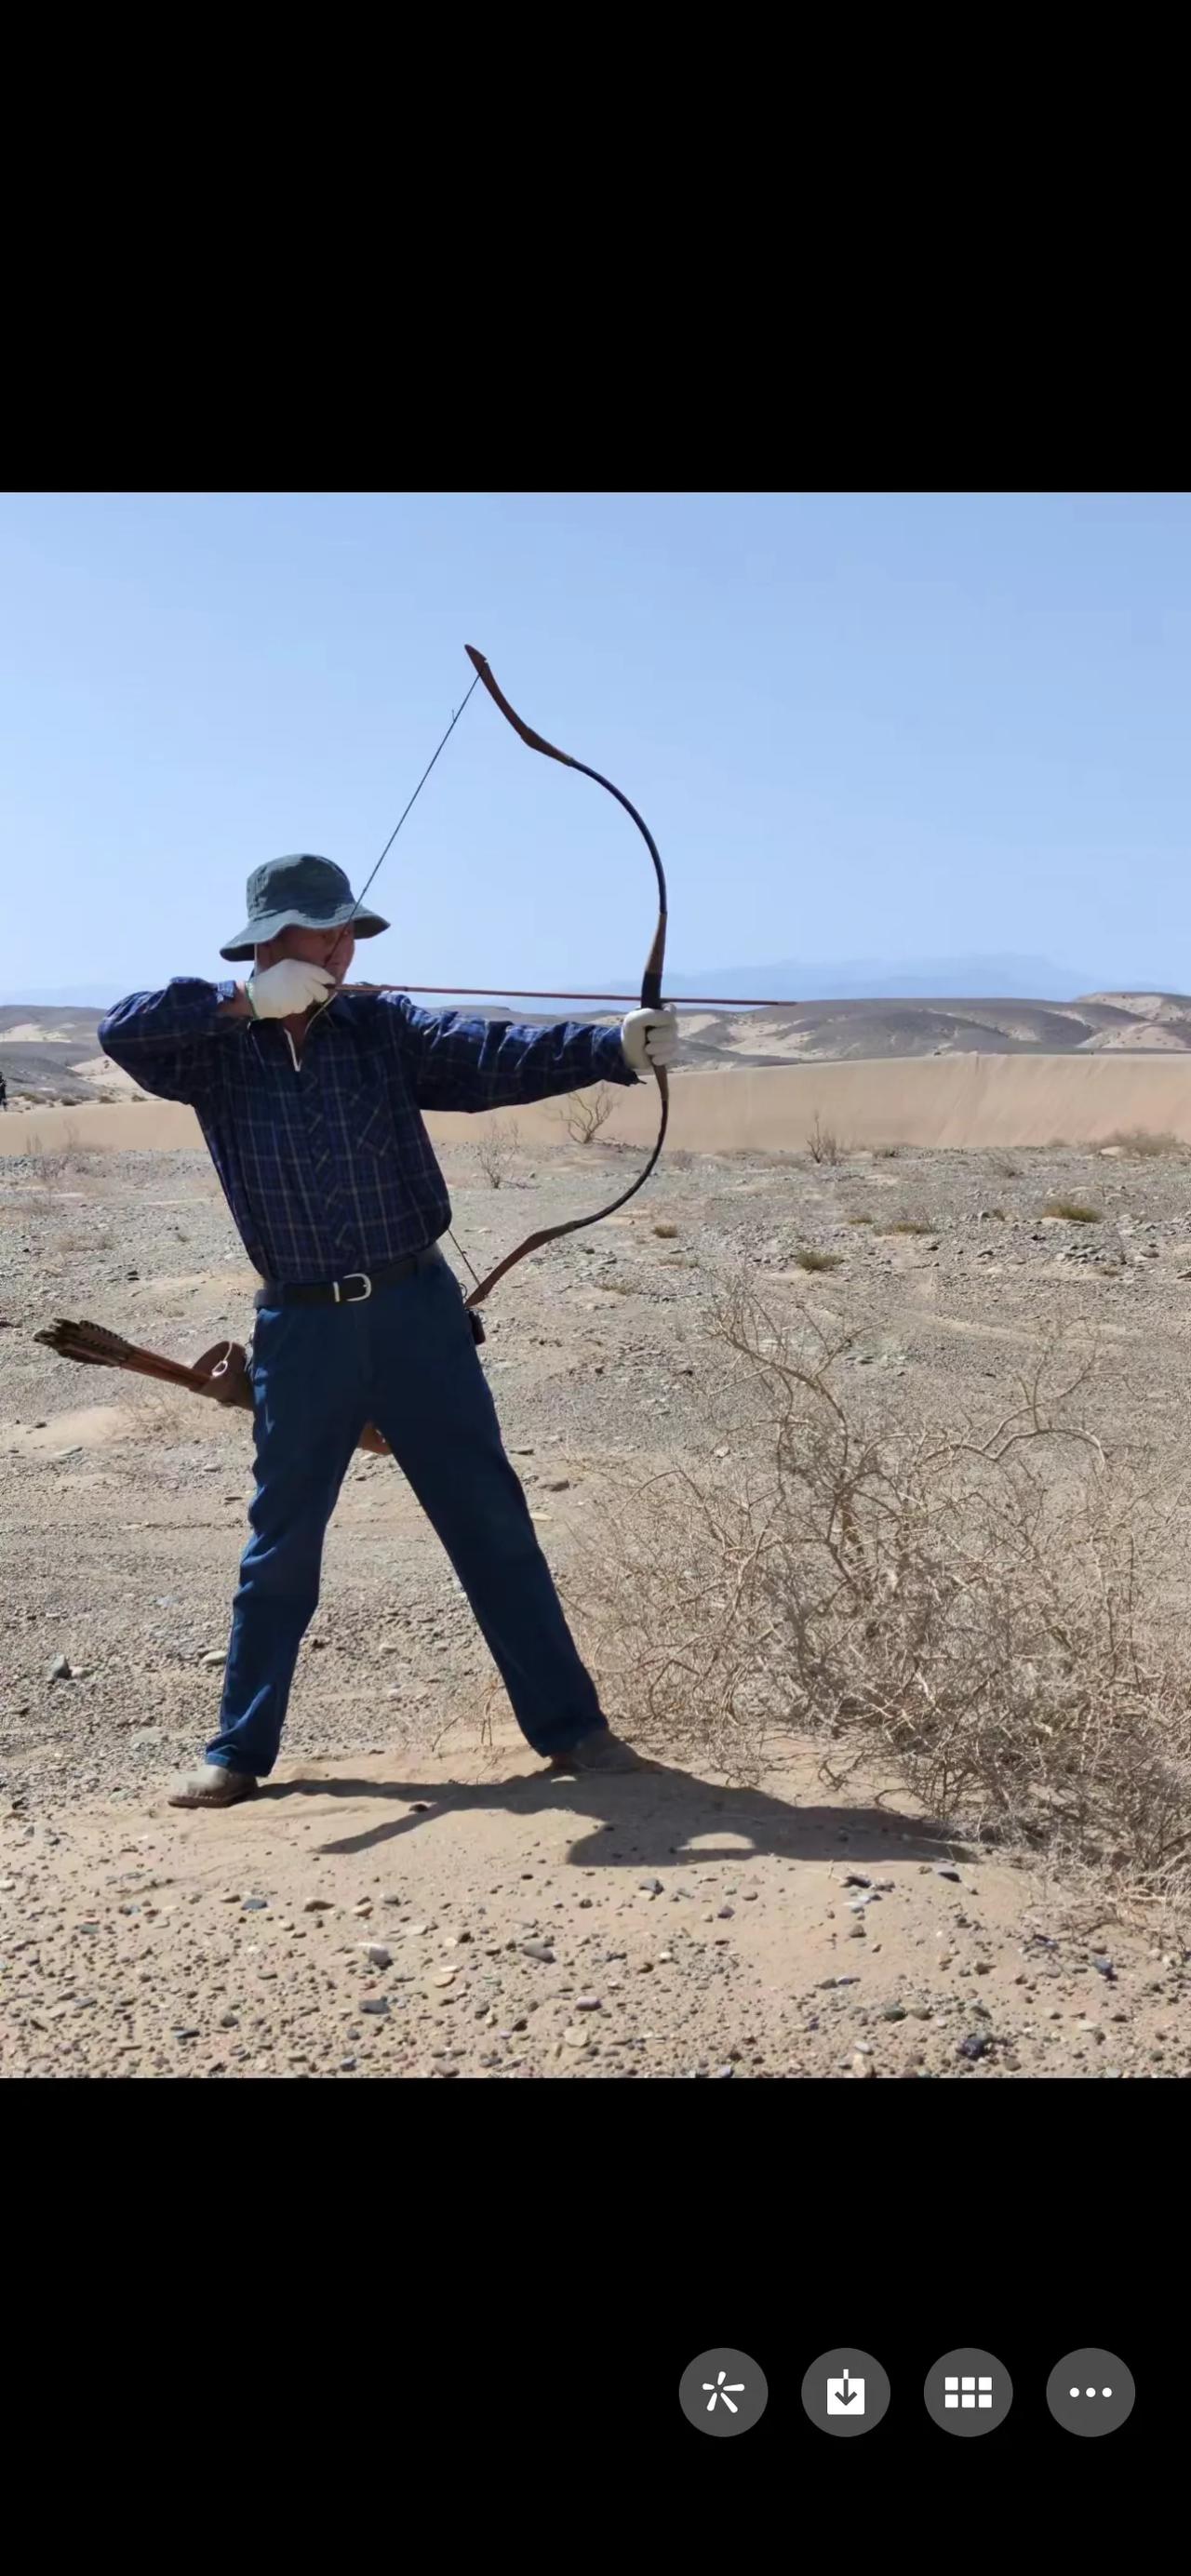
{"points": [[960, 1101], [476, 1917], [672, 1924]]}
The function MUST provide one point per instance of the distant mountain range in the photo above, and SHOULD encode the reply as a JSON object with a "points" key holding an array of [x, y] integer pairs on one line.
{"points": [[1008, 978], [49, 1051], [993, 978], [67, 997]]}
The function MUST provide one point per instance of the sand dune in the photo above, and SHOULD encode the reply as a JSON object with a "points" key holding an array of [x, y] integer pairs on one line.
{"points": [[957, 1100], [106, 1077]]}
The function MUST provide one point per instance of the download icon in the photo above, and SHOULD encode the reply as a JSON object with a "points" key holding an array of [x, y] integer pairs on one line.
{"points": [[846, 2392]]}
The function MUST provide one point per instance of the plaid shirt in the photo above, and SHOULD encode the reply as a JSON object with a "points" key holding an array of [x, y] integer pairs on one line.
{"points": [[326, 1164]]}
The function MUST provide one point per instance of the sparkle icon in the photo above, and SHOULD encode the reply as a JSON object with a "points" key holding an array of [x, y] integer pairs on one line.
{"points": [[723, 2392], [721, 2395]]}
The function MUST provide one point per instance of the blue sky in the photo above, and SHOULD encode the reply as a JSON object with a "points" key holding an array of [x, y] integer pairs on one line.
{"points": [[878, 726]]}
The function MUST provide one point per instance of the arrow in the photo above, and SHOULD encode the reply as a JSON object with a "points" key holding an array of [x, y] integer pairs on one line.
{"points": [[846, 2394], [515, 993]]}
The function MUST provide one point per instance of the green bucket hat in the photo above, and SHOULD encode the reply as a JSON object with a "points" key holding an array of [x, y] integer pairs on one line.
{"points": [[301, 893]]}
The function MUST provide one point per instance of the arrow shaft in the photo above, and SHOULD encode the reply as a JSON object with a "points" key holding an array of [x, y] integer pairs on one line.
{"points": [[516, 993]]}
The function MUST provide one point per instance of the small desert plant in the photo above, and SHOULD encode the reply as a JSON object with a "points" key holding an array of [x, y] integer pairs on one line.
{"points": [[496, 1151], [809, 1259], [908, 1225], [860, 1220], [583, 1113], [1074, 1211], [167, 1413], [1148, 1142], [49, 1166], [73, 1241], [886, 1153], [667, 1232], [823, 1145]]}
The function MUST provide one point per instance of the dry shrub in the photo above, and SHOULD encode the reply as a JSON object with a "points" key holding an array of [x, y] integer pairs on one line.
{"points": [[809, 1259], [1148, 1142], [1074, 1211], [72, 1240], [886, 1153], [908, 1225], [991, 1611], [52, 1165], [583, 1113], [168, 1416], [496, 1152], [49, 1166], [823, 1145]]}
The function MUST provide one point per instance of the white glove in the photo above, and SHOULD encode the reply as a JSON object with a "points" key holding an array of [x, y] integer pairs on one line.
{"points": [[650, 1039], [287, 988]]}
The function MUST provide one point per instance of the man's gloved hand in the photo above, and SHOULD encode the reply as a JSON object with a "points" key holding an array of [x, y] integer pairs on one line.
{"points": [[650, 1039], [287, 988]]}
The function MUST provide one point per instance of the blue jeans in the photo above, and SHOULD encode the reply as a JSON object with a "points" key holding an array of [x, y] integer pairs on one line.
{"points": [[404, 1359]]}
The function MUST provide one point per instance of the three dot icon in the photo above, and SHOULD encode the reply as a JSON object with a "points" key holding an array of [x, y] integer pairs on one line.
{"points": [[1090, 2392]]}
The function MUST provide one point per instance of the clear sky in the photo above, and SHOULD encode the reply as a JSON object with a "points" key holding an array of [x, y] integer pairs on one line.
{"points": [[859, 726]]}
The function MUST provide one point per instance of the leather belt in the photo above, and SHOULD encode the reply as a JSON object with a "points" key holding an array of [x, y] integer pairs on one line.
{"points": [[351, 1290]]}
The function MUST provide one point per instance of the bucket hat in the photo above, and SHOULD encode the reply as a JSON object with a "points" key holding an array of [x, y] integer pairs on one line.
{"points": [[302, 893]]}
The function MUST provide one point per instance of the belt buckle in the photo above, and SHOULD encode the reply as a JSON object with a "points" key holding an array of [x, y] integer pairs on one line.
{"points": [[340, 1284]]}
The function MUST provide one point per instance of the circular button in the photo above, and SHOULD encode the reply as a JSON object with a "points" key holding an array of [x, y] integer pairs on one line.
{"points": [[968, 2392], [846, 2392], [723, 2392], [1090, 2391]]}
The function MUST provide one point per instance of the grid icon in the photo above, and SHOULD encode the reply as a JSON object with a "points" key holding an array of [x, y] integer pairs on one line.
{"points": [[967, 2392]]}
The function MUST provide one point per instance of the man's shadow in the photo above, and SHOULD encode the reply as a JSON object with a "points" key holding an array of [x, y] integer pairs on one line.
{"points": [[648, 1817]]}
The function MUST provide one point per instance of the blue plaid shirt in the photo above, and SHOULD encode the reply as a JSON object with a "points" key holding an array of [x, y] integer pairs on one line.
{"points": [[326, 1165]]}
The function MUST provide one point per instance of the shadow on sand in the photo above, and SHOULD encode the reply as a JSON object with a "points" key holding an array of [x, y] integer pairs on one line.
{"points": [[648, 1817]]}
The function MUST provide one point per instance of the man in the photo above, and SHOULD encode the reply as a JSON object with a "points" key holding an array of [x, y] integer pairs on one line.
{"points": [[310, 1099]]}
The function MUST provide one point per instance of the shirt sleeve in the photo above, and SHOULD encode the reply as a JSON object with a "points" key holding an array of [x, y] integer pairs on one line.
{"points": [[168, 1041], [461, 1063]]}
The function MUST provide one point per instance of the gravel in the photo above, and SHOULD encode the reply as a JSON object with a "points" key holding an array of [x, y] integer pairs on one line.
{"points": [[123, 1519]]}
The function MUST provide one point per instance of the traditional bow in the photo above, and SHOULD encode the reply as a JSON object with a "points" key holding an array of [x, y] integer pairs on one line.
{"points": [[651, 983]]}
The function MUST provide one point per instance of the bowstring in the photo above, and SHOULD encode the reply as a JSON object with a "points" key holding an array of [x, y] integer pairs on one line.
{"points": [[462, 1255], [325, 1006]]}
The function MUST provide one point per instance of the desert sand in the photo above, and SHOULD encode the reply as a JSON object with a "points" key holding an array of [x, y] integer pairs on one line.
{"points": [[412, 1894], [960, 1101], [467, 1915]]}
